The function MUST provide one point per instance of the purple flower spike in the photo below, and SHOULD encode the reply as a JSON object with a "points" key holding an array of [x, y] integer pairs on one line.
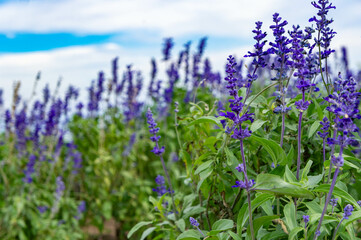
{"points": [[337, 161], [240, 168], [168, 44], [347, 211], [154, 130], [306, 219], [242, 184], [333, 202], [193, 222], [359, 202]]}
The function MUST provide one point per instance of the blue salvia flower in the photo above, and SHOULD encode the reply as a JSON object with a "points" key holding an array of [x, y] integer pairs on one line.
{"points": [[20, 130], [195, 223], [322, 26], [53, 118], [325, 128], [161, 189], [71, 93], [359, 202], [8, 120], [244, 185], [344, 103], [347, 212], [202, 46], [60, 187], [236, 103], [29, 169], [79, 108], [152, 77], [130, 145], [168, 44], [259, 54], [281, 45], [1, 98], [81, 209], [42, 209], [46, 94], [115, 71], [186, 61], [153, 129], [59, 192], [306, 219]]}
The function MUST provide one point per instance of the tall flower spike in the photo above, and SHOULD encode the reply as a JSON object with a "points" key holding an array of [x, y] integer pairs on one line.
{"points": [[195, 223], [153, 129], [322, 26], [168, 44]]}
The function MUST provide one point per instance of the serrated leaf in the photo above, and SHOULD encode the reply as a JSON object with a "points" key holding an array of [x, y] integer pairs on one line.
{"points": [[274, 184]]}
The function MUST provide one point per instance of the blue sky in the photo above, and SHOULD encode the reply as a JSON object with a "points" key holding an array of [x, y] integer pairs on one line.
{"points": [[77, 38]]}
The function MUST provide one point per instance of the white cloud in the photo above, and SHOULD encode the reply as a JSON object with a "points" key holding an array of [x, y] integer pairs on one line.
{"points": [[147, 21]]}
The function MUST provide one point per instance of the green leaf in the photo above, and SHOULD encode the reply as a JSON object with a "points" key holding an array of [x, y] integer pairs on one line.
{"points": [[276, 152], [147, 232], [290, 155], [276, 185], [243, 214], [292, 235], [290, 215], [339, 193], [356, 215], [289, 176], [259, 222], [222, 225], [136, 227], [181, 224], [189, 235], [191, 211], [306, 170], [313, 128], [107, 209], [234, 236], [257, 125], [207, 119], [203, 166]]}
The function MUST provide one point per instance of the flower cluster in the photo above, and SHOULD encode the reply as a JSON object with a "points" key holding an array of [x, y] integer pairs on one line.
{"points": [[322, 26], [243, 184], [347, 212], [153, 129], [306, 219], [161, 189], [325, 128]]}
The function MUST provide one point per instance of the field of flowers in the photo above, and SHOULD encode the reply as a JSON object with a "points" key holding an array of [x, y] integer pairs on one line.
{"points": [[267, 149]]}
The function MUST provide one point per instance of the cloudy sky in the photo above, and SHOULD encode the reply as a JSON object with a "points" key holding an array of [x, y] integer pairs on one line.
{"points": [[75, 39]]}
